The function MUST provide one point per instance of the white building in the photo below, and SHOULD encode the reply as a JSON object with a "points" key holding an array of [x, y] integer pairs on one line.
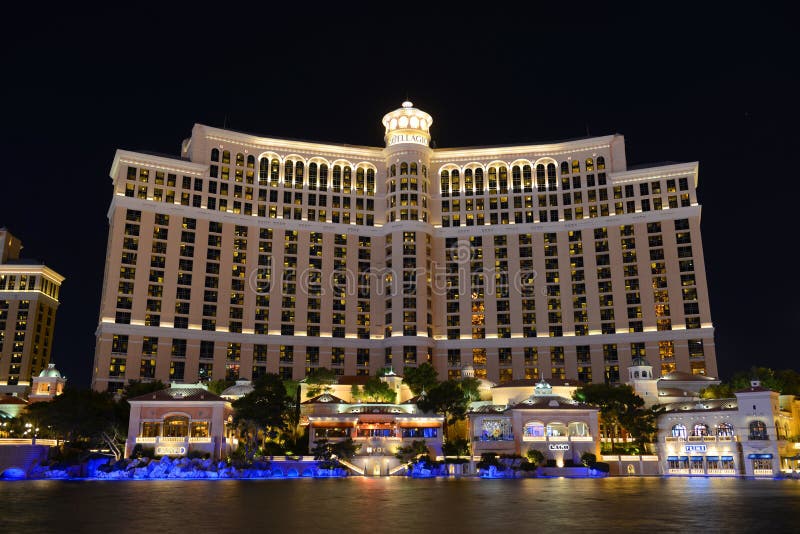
{"points": [[251, 254]]}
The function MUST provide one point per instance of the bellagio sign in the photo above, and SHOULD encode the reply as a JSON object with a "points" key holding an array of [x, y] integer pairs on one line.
{"points": [[397, 139]]}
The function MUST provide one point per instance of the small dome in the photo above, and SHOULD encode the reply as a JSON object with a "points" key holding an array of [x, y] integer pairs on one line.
{"points": [[50, 372], [639, 361]]}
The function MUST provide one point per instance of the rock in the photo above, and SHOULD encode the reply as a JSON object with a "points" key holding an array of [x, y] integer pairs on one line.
{"points": [[13, 473]]}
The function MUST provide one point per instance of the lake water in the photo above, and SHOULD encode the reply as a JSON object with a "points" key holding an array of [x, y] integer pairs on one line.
{"points": [[400, 505]]}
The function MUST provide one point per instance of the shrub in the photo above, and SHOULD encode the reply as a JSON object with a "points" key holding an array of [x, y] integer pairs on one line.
{"points": [[588, 459], [198, 454], [536, 457]]}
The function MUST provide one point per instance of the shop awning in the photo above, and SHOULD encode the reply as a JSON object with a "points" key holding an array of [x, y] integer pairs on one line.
{"points": [[712, 458], [759, 457], [672, 458], [697, 458]]}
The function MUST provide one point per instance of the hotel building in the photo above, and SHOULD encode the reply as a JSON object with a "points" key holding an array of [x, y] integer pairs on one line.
{"points": [[28, 304], [249, 254]]}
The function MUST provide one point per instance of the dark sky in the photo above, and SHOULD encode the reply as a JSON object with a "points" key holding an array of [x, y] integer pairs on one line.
{"points": [[681, 85]]}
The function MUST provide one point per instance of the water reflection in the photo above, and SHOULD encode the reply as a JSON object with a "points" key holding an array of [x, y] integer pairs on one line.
{"points": [[399, 505]]}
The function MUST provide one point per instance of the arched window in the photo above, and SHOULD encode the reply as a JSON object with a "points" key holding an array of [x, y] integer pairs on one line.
{"points": [[468, 182], [455, 182], [493, 180], [251, 162], [502, 176], [370, 181], [534, 430], [403, 168], [263, 171], [576, 166], [758, 430], [240, 159], [348, 180], [552, 183], [527, 178], [478, 181], [516, 179], [214, 154], [275, 170], [444, 183], [723, 429], [412, 169], [360, 180], [541, 181], [589, 165], [323, 177], [288, 173], [312, 175], [700, 429], [557, 429], [176, 426], [679, 431], [564, 167], [601, 163], [226, 156], [393, 170], [337, 179], [299, 169], [578, 428]]}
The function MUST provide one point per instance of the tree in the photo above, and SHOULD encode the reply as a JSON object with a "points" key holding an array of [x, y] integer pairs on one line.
{"points": [[448, 399], [328, 453], [421, 378], [376, 390], [80, 416], [588, 459], [456, 447], [411, 452], [319, 381], [470, 385], [619, 406], [535, 456], [266, 408]]}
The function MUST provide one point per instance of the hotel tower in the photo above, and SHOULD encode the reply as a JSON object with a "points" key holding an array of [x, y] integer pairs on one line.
{"points": [[29, 293], [249, 255]]}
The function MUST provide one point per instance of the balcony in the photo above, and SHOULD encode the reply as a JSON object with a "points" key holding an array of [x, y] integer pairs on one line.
{"points": [[709, 439], [762, 472], [678, 471]]}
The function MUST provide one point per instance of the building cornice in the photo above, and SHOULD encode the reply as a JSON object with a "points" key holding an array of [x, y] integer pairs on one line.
{"points": [[677, 170], [44, 270], [263, 144], [164, 163], [445, 155]]}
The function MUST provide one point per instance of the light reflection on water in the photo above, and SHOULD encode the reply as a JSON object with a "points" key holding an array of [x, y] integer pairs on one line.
{"points": [[400, 505]]}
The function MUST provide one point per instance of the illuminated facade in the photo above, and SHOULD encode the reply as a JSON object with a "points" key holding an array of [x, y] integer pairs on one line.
{"points": [[249, 255], [755, 434], [28, 304]]}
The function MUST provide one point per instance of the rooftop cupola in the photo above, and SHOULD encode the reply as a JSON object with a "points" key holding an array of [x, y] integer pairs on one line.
{"points": [[407, 125]]}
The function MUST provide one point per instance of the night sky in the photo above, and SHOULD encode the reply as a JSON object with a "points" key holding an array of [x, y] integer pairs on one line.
{"points": [[680, 85]]}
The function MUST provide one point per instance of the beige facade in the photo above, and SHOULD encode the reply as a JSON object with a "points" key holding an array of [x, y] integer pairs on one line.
{"points": [[28, 304], [250, 255]]}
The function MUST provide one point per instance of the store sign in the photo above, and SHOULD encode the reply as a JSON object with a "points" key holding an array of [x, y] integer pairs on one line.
{"points": [[558, 446], [170, 451], [694, 448], [397, 139]]}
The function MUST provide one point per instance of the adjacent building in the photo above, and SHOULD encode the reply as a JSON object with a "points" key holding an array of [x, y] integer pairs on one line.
{"points": [[250, 254], [560, 428], [179, 420], [28, 303]]}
